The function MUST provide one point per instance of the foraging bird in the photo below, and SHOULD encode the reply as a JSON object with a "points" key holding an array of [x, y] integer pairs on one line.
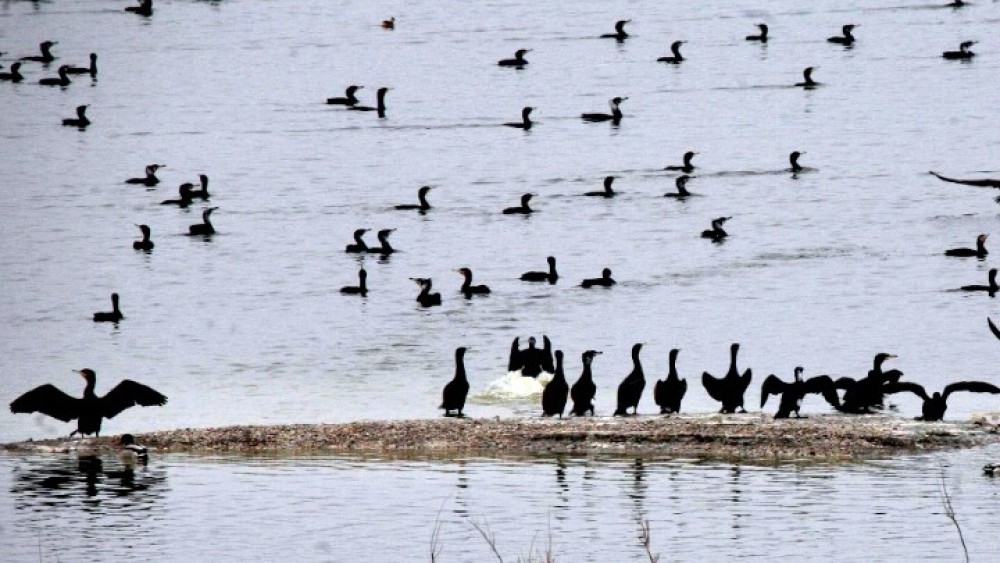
{"points": [[615, 116], [584, 389], [963, 53], [808, 82], [992, 288], [204, 228], [935, 405], [630, 389], [525, 122], [676, 57], [762, 36], [847, 39], [518, 61], [669, 393], [383, 238], [607, 191], [112, 316], [456, 390], [144, 244], [793, 393], [681, 184], [556, 392], [80, 120], [360, 289], [523, 209], [686, 167], [604, 281], [619, 34], [531, 361], [551, 276], [729, 389], [425, 297], [359, 245], [91, 409], [349, 98], [423, 206], [150, 178], [467, 289], [716, 233], [979, 252]]}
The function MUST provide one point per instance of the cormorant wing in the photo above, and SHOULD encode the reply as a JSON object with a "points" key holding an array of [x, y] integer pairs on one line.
{"points": [[547, 365], [914, 388], [844, 382], [515, 363], [48, 400], [744, 380], [824, 385], [891, 376], [970, 386], [772, 386], [713, 385], [127, 394], [993, 328]]}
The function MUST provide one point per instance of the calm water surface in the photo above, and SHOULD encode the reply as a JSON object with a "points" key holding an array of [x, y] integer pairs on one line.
{"points": [[821, 270]]}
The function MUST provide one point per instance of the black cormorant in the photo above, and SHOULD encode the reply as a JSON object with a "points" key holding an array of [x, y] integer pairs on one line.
{"points": [[144, 244], [991, 288], [360, 289], [523, 209], [551, 276], [14, 75], [46, 56], [963, 53], [204, 228], [793, 159], [762, 36], [518, 61], [359, 245], [383, 238], [379, 103], [185, 192], [467, 289], [630, 389], [584, 389], [112, 316], [349, 98], [556, 392], [531, 361], [676, 57], [525, 122], [669, 393], [91, 70], [145, 8], [867, 394], [793, 393], [80, 120], [716, 233], [150, 178], [604, 281], [423, 206], [935, 405], [682, 192], [686, 167], [808, 82], [607, 191], [456, 390], [389, 23], [614, 117], [619, 33], [728, 390], [847, 39], [203, 192], [425, 297], [979, 252], [63, 79]]}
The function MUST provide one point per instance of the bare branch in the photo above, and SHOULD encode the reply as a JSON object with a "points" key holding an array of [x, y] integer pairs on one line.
{"points": [[646, 540], [949, 511], [484, 530]]}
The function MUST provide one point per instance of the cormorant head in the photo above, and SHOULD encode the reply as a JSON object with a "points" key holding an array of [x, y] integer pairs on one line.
{"points": [[798, 373], [618, 100], [519, 54], [531, 341], [551, 260], [88, 374], [352, 89], [606, 273], [559, 355]]}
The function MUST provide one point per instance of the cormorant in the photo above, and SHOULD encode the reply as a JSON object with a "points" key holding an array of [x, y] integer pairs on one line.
{"points": [[669, 393], [80, 120], [762, 36], [46, 56], [992, 288], [518, 61], [551, 276], [728, 390], [531, 361], [619, 34], [89, 410], [682, 192], [793, 393], [525, 122], [686, 167], [963, 52], [145, 8], [716, 233], [422, 197], [360, 289], [793, 159], [630, 389], [984, 183], [389, 23], [185, 193], [979, 252], [523, 209], [112, 316], [676, 57], [808, 83], [14, 75], [468, 290], [150, 178], [359, 245], [556, 392], [144, 244], [379, 103], [864, 395], [456, 390], [584, 389], [204, 228], [203, 192], [846, 39], [91, 70], [425, 297], [604, 281], [63, 79], [383, 238], [607, 191], [935, 405], [614, 117], [349, 98]]}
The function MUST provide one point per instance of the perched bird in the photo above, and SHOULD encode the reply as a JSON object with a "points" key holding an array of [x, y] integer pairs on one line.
{"points": [[604, 281], [681, 184], [360, 289], [62, 81], [423, 206], [426, 298], [80, 121], [675, 57], [525, 122], [150, 178], [847, 39], [204, 228], [132, 454], [793, 393], [456, 390], [144, 244], [91, 70], [729, 389], [630, 389], [992, 288], [14, 75], [669, 393], [112, 316], [359, 245], [185, 192], [607, 191], [868, 393], [716, 233], [349, 98], [686, 166], [383, 238], [762, 36], [379, 103], [46, 57], [467, 289], [614, 117], [518, 61], [808, 82], [531, 361], [551, 276], [203, 192], [523, 209], [145, 8], [556, 392], [979, 252], [962, 54], [619, 34], [91, 409], [936, 404], [584, 389]]}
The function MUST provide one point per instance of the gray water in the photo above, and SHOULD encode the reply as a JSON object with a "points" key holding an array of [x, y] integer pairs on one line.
{"points": [[822, 270]]}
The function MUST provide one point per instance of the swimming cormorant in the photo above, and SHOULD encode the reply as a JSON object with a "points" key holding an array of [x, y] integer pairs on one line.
{"points": [[992, 288], [46, 56], [614, 117], [359, 245], [984, 183], [808, 83], [91, 70], [793, 393], [619, 34], [389, 23], [185, 193], [112, 316], [80, 120], [204, 228], [523, 209], [525, 122], [422, 197], [467, 289], [728, 390], [518, 61], [551, 276], [425, 297], [556, 392], [963, 53], [762, 36], [676, 57], [584, 389], [14, 75], [686, 167], [144, 244], [203, 192], [150, 178], [91, 409], [847, 39], [531, 361], [607, 191], [383, 238], [360, 289], [604, 281], [630, 389], [349, 98], [456, 390], [935, 405], [669, 393], [379, 103], [716, 233], [63, 79], [145, 8], [682, 192], [793, 159], [979, 252]]}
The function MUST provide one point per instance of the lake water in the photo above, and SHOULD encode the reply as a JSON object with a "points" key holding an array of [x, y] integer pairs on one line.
{"points": [[822, 270]]}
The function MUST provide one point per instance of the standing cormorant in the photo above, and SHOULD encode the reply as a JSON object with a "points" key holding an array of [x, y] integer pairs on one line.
{"points": [[630, 389], [518, 61], [422, 198], [556, 392], [607, 191], [847, 39], [619, 34], [185, 192], [762, 36], [984, 183], [531, 361], [728, 390], [203, 192], [150, 178], [456, 390], [867, 394], [525, 122], [46, 56], [62, 81], [979, 252], [716, 233], [604, 281], [584, 389], [91, 70], [551, 276], [808, 82], [682, 192], [204, 228], [349, 98], [425, 297], [145, 8], [383, 238], [360, 289], [686, 167], [80, 120], [935, 405], [379, 103], [14, 75], [669, 393], [676, 57], [467, 289], [144, 244], [793, 393], [614, 117], [359, 245], [523, 209], [112, 316]]}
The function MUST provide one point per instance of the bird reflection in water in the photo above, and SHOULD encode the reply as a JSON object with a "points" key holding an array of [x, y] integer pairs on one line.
{"points": [[88, 481]]}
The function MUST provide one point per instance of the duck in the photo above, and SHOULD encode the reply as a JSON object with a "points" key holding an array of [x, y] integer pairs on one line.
{"points": [[630, 389], [729, 389], [131, 453], [669, 393]]}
